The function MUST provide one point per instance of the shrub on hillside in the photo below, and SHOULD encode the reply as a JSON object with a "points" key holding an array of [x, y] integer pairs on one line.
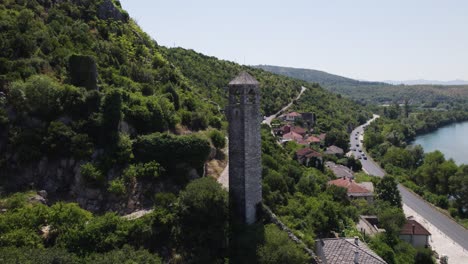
{"points": [[170, 150]]}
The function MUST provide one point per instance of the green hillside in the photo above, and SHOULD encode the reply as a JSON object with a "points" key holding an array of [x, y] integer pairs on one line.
{"points": [[376, 92], [107, 122]]}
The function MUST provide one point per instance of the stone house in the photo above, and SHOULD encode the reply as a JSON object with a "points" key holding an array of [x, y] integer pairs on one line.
{"points": [[291, 117], [346, 251], [314, 140], [291, 136], [334, 150], [340, 171], [415, 234], [309, 157], [355, 190]]}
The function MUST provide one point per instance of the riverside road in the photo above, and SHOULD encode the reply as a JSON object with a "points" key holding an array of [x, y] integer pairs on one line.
{"points": [[451, 229]]}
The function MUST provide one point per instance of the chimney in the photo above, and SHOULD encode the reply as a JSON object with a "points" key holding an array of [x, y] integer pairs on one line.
{"points": [[356, 241], [356, 257], [414, 227]]}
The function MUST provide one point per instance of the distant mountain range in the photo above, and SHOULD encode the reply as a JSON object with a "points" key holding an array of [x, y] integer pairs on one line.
{"points": [[428, 82], [417, 91]]}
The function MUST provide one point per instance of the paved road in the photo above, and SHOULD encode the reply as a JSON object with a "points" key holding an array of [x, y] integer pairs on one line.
{"points": [[368, 165], [445, 224]]}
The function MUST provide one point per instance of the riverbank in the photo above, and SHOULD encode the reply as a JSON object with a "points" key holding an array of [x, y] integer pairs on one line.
{"points": [[449, 139]]}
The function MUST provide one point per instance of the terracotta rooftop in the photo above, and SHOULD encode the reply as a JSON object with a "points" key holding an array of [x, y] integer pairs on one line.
{"points": [[308, 152], [345, 250], [352, 187], [244, 78], [313, 139], [418, 228], [298, 130], [293, 114], [292, 136], [322, 136]]}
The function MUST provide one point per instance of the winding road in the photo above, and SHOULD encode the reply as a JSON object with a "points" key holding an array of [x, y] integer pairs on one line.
{"points": [[445, 224]]}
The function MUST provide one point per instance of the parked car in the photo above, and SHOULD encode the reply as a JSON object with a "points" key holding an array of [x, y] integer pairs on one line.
{"points": [[360, 150]]}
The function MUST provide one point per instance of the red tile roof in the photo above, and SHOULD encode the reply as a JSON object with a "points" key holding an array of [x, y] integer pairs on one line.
{"points": [[286, 129], [292, 136], [308, 152], [293, 114], [418, 228], [322, 136], [299, 130], [302, 142], [313, 139], [350, 185]]}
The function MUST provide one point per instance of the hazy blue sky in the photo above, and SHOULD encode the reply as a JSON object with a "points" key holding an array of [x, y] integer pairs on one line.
{"points": [[362, 39]]}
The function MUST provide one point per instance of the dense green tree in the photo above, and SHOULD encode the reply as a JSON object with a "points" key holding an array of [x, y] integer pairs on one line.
{"points": [[112, 111], [459, 187], [217, 138], [169, 149], [58, 139], [423, 256], [392, 220], [278, 248], [398, 157], [387, 190], [202, 216]]}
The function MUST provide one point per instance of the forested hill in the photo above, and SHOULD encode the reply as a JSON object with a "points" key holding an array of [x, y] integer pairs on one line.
{"points": [[210, 75], [97, 121], [377, 92], [323, 78], [87, 99]]}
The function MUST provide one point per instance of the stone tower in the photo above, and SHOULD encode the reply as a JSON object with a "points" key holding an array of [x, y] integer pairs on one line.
{"points": [[245, 163]]}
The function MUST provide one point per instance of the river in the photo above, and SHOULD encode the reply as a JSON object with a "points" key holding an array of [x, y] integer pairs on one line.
{"points": [[452, 140]]}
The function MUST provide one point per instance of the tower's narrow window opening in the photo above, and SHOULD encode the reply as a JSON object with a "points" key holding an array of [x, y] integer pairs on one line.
{"points": [[251, 97], [237, 97]]}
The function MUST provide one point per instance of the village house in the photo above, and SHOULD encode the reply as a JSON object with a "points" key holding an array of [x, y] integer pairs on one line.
{"points": [[309, 119], [322, 136], [291, 117], [340, 171], [334, 150], [309, 157], [288, 128], [355, 190], [415, 234], [346, 251], [313, 140], [291, 136]]}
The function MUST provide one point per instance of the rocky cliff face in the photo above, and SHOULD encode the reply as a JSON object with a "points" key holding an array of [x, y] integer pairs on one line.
{"points": [[62, 180]]}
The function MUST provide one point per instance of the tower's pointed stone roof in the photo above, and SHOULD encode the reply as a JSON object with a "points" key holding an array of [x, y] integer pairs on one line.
{"points": [[244, 78]]}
